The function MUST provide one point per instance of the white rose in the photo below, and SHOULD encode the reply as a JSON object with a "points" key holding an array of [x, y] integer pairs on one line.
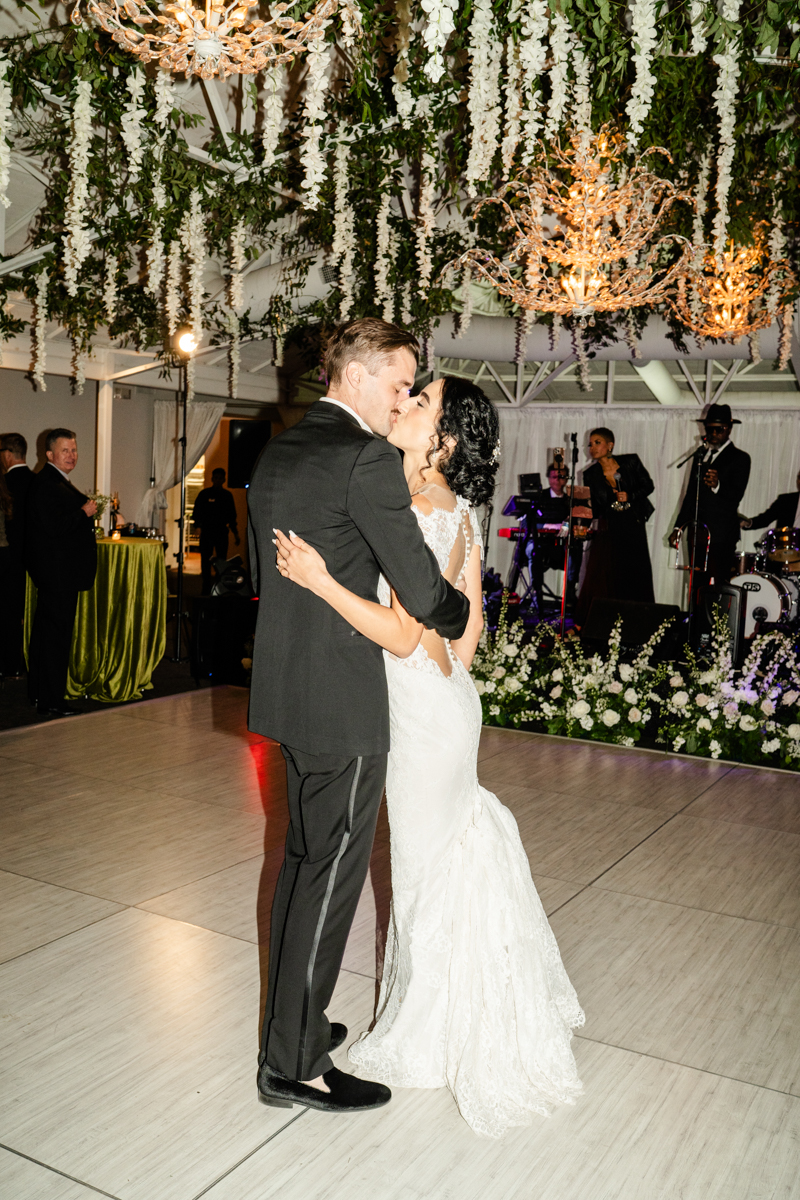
{"points": [[480, 686], [715, 749], [793, 732], [586, 722], [610, 717], [680, 699], [580, 709], [789, 697], [490, 686], [701, 700], [748, 723], [630, 696], [615, 688], [634, 715], [767, 707], [510, 650], [557, 675], [626, 672], [675, 681], [704, 723], [513, 685], [556, 691], [498, 672]]}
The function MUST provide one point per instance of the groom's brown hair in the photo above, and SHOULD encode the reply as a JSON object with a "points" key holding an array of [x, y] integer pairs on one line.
{"points": [[367, 340]]}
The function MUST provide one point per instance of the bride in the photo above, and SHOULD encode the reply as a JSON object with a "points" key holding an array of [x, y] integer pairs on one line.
{"points": [[474, 995]]}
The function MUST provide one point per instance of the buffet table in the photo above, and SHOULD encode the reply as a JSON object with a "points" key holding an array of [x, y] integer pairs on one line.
{"points": [[120, 630]]}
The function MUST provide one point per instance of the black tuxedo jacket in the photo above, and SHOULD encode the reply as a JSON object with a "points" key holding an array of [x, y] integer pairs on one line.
{"points": [[19, 482], [317, 684], [782, 511], [60, 546], [634, 480], [718, 510]]}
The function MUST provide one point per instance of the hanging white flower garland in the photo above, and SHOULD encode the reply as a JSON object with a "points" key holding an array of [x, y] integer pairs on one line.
{"points": [[582, 110], [403, 96], [5, 133], [238, 261], [698, 233], [391, 258], [165, 98], [425, 222], [344, 243], [131, 122], [312, 159], [644, 36], [194, 247], [39, 351], [697, 16], [382, 245], [78, 367], [110, 288], [725, 100], [172, 298], [513, 106], [234, 355], [155, 251], [440, 24], [483, 98], [532, 60], [560, 41], [273, 115], [76, 241]]}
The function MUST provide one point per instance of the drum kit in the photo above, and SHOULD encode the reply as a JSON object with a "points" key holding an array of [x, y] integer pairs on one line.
{"points": [[769, 578]]}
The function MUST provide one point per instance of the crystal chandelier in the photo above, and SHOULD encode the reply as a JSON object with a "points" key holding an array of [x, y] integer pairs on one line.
{"points": [[218, 38], [725, 298], [598, 250]]}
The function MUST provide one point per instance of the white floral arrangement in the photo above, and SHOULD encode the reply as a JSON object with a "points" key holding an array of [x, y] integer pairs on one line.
{"points": [[5, 133], [344, 242], [534, 27], [437, 29], [131, 123], [76, 241], [425, 221], [645, 37], [483, 96], [172, 297], [560, 44], [273, 115], [312, 159], [194, 246], [39, 351], [383, 240], [110, 287], [165, 98], [513, 106], [582, 101], [725, 100], [238, 260]]}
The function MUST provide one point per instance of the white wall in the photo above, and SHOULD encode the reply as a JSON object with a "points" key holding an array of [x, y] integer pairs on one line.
{"points": [[132, 449], [32, 413]]}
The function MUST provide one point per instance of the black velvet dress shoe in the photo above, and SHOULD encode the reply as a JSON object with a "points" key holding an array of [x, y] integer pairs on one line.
{"points": [[338, 1035], [60, 710], [347, 1093]]}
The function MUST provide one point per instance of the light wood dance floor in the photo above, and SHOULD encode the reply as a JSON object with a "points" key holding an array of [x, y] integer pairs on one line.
{"points": [[136, 873]]}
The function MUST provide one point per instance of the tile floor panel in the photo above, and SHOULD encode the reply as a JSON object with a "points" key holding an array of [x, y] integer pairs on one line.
{"points": [[21, 1179], [35, 913], [770, 799]]}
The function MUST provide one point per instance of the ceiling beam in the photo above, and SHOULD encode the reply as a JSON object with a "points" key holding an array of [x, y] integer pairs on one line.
{"points": [[537, 387], [660, 382], [689, 379], [534, 383]]}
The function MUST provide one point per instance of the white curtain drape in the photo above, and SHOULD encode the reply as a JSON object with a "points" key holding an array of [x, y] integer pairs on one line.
{"points": [[202, 419], [661, 437]]}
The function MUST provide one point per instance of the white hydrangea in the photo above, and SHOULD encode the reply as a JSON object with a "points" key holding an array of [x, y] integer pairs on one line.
{"points": [[131, 122], [76, 241], [626, 672], [644, 36], [771, 746], [715, 749]]}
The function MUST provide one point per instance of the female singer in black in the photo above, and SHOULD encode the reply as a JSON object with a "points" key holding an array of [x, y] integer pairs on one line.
{"points": [[618, 567]]}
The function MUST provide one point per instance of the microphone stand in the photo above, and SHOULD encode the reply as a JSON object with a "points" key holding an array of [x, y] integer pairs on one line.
{"points": [[698, 455], [568, 547]]}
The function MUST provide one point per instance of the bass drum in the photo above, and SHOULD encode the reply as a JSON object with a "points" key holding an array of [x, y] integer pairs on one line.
{"points": [[766, 598]]}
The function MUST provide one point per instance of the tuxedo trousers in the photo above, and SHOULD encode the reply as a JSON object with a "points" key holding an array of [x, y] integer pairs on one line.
{"points": [[50, 645], [333, 811], [12, 611]]}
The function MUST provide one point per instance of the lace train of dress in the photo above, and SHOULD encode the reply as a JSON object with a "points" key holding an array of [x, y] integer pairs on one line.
{"points": [[474, 995]]}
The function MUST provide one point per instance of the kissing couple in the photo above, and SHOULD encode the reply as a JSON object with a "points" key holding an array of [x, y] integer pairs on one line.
{"points": [[366, 632]]}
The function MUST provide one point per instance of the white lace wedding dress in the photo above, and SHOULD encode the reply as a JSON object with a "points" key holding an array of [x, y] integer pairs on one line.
{"points": [[474, 995]]}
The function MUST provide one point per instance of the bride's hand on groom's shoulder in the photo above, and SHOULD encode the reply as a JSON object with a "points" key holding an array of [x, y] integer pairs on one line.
{"points": [[299, 562]]}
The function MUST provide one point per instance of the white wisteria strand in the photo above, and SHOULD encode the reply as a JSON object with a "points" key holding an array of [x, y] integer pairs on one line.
{"points": [[391, 256], [172, 298], [513, 113], [352, 27], [439, 25], [698, 233], [560, 42], [5, 133], [483, 97], [238, 260], [532, 59], [194, 247], [644, 36], [39, 351], [725, 100], [78, 367], [234, 355], [110, 288], [273, 115], [697, 16], [785, 340], [777, 245], [403, 96], [582, 109], [464, 318], [344, 243], [425, 222], [165, 101], [76, 241], [382, 244], [131, 122], [312, 159]]}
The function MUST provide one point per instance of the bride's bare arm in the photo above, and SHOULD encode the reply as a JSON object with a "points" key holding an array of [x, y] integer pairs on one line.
{"points": [[392, 628], [467, 644]]}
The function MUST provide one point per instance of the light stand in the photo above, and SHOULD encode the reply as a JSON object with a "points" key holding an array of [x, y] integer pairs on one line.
{"points": [[185, 343], [568, 548]]}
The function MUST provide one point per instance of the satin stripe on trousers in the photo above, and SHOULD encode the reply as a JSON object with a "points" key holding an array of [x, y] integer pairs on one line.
{"points": [[333, 810]]}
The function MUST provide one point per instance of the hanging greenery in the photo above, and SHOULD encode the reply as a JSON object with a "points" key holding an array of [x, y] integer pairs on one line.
{"points": [[437, 104]]}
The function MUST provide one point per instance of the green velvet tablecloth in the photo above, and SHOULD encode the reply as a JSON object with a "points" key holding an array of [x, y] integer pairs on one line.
{"points": [[120, 630]]}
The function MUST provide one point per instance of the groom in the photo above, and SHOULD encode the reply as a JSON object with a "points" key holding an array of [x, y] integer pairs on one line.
{"points": [[319, 687]]}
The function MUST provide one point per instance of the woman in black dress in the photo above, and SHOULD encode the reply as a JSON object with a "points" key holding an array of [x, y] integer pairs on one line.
{"points": [[619, 560]]}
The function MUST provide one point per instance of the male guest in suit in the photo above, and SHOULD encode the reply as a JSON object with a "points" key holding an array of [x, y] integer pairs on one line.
{"points": [[319, 687], [61, 555], [721, 473], [214, 512], [784, 511], [18, 479]]}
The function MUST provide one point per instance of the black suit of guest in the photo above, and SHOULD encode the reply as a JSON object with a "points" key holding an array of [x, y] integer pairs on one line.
{"points": [[18, 480], [61, 556], [319, 687], [782, 512], [718, 510], [619, 565]]}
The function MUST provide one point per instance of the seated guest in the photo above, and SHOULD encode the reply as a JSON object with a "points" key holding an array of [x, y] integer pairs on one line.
{"points": [[618, 565], [61, 555], [783, 512], [17, 478]]}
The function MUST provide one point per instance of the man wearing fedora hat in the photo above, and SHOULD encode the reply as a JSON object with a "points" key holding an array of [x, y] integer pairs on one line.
{"points": [[716, 485]]}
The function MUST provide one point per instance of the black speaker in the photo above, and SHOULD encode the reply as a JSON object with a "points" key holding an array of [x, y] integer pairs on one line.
{"points": [[732, 603], [639, 622], [221, 628], [246, 440]]}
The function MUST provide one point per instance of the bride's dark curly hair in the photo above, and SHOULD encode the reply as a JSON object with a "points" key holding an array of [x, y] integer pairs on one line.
{"points": [[469, 417]]}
